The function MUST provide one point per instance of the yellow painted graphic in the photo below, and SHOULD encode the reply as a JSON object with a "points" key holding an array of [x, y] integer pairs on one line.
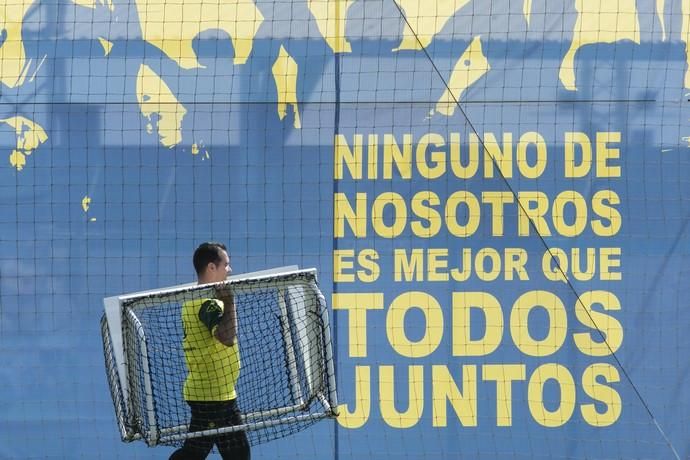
{"points": [[13, 65], [92, 3], [471, 66], [331, 16], [155, 97], [172, 25], [85, 3], [285, 75], [85, 205], [30, 135], [599, 21], [196, 149], [660, 4], [106, 44], [527, 10], [425, 19]]}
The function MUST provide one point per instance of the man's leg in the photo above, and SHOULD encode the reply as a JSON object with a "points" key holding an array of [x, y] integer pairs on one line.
{"points": [[233, 446], [197, 448]]}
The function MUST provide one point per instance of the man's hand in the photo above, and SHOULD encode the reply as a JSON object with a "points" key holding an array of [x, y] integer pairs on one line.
{"points": [[226, 332], [224, 293]]}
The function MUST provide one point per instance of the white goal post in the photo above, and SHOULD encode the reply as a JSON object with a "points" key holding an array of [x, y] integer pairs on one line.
{"points": [[141, 396]]}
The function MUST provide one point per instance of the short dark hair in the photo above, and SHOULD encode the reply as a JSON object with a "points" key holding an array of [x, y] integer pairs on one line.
{"points": [[207, 253]]}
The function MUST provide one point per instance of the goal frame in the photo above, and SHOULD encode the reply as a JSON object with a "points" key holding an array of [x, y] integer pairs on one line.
{"points": [[118, 371]]}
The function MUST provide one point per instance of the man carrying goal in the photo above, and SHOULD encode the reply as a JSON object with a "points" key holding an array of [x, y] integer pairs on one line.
{"points": [[213, 361]]}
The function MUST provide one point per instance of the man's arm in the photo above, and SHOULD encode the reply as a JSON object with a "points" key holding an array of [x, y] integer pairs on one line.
{"points": [[226, 332]]}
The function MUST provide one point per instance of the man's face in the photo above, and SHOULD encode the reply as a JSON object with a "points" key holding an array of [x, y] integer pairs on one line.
{"points": [[219, 271]]}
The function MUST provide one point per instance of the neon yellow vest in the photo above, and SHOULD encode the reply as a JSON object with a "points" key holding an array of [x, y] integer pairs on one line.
{"points": [[213, 367]]}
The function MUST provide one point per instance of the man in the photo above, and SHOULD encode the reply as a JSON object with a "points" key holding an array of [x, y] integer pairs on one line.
{"points": [[213, 361]]}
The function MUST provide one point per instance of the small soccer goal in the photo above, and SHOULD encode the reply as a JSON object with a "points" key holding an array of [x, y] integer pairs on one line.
{"points": [[287, 379]]}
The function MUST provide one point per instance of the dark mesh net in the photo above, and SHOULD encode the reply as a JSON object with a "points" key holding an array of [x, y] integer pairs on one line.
{"points": [[282, 343]]}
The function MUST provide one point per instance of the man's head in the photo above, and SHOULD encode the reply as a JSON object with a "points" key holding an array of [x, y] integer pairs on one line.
{"points": [[212, 263]]}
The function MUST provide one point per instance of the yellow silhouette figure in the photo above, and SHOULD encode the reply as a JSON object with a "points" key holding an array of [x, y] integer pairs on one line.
{"points": [[426, 19], [13, 65], [30, 135], [331, 18], [155, 97], [471, 66], [285, 75], [527, 10], [106, 44], [599, 21], [172, 25]]}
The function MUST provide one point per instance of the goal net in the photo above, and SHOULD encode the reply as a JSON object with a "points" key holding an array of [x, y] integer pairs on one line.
{"points": [[286, 381]]}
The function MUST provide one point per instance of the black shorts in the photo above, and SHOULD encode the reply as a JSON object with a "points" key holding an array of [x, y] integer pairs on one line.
{"points": [[208, 415]]}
